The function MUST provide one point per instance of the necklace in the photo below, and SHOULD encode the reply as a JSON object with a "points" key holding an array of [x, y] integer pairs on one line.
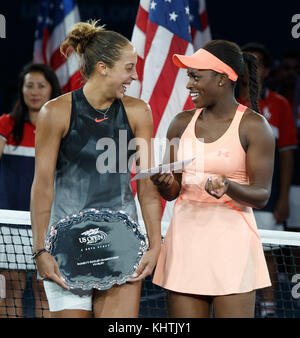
{"points": [[104, 114]]}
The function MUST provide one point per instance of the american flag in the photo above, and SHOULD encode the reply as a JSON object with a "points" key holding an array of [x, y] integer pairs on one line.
{"points": [[162, 28], [55, 19]]}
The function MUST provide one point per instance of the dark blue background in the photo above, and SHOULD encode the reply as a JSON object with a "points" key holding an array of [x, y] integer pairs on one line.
{"points": [[263, 21]]}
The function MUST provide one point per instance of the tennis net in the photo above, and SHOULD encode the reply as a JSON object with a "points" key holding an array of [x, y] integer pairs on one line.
{"points": [[22, 295]]}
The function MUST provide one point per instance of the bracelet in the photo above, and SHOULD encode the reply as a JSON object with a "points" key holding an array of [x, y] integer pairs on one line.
{"points": [[38, 252]]}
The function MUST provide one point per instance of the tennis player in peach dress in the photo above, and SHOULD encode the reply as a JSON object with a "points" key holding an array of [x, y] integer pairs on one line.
{"points": [[212, 253]]}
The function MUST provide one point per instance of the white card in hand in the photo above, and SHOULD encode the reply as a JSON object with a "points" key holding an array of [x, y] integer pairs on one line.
{"points": [[165, 168]]}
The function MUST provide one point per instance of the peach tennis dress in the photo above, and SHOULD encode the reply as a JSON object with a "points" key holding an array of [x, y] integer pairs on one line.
{"points": [[212, 246]]}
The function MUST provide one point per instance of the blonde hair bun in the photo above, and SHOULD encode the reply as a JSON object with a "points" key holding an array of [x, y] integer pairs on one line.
{"points": [[92, 43], [79, 37]]}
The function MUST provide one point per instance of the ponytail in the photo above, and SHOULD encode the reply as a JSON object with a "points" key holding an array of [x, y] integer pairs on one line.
{"points": [[250, 61], [231, 54]]}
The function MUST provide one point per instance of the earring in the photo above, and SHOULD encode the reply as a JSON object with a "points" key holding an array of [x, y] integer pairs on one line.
{"points": [[220, 84]]}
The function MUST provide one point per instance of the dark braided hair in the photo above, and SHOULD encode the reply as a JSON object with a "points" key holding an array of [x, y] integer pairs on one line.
{"points": [[231, 54], [253, 47], [250, 60]]}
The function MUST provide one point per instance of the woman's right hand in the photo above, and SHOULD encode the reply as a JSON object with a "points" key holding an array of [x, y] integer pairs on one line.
{"points": [[163, 180], [167, 184], [48, 269]]}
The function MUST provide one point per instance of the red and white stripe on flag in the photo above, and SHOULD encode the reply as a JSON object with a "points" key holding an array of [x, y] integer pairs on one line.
{"points": [[54, 21], [160, 82], [200, 29]]}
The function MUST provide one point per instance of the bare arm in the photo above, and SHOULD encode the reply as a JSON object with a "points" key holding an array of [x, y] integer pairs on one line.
{"points": [[286, 162], [2, 144], [51, 127], [169, 185], [259, 163], [148, 195], [281, 212]]}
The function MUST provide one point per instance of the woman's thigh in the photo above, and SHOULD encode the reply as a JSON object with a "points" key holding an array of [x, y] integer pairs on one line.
{"points": [[182, 305], [240, 305], [70, 314], [122, 301]]}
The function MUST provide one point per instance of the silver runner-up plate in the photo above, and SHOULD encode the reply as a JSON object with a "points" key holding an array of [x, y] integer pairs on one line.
{"points": [[96, 249]]}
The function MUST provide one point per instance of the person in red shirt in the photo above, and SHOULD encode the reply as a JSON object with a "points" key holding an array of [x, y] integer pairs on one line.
{"points": [[288, 78], [288, 74], [276, 109], [37, 85]]}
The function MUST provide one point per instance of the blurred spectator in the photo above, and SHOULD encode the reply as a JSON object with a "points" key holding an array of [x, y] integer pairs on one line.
{"points": [[288, 77], [276, 109], [37, 85]]}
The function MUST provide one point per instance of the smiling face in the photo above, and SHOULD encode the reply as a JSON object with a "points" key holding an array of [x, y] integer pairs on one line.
{"points": [[36, 90], [120, 76], [203, 86]]}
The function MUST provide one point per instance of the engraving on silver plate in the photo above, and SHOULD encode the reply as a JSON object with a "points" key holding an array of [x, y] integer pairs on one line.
{"points": [[97, 248]]}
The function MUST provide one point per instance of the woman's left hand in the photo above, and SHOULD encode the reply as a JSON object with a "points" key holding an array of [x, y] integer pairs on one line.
{"points": [[146, 265], [217, 186]]}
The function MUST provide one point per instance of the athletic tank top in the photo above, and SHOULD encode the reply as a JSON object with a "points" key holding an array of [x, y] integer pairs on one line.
{"points": [[93, 159], [225, 156]]}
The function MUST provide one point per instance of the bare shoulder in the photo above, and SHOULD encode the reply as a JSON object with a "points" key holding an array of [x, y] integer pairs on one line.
{"points": [[179, 123], [185, 116], [139, 114], [140, 111], [59, 104], [254, 125], [56, 113], [133, 105]]}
